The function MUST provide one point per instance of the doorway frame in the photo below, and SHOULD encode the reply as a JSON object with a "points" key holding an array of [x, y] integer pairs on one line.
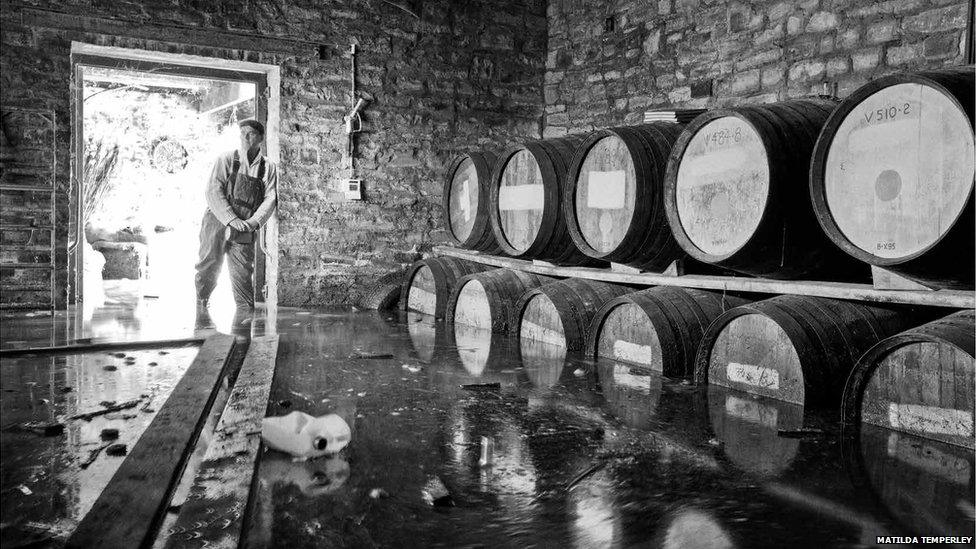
{"points": [[267, 79]]}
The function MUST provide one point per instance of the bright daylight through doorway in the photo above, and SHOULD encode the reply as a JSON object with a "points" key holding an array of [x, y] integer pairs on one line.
{"points": [[150, 140]]}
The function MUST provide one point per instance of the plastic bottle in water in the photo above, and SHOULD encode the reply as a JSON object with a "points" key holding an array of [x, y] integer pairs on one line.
{"points": [[304, 436]]}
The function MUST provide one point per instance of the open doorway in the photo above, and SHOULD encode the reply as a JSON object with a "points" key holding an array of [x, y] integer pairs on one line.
{"points": [[148, 133]]}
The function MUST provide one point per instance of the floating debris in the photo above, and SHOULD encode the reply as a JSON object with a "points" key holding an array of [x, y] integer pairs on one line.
{"points": [[41, 428], [118, 355], [487, 452], [481, 386], [109, 408], [371, 356], [377, 493], [800, 433], [579, 372], [304, 436], [284, 403], [117, 450], [154, 364], [110, 368], [164, 352], [411, 368], [436, 494], [25, 490], [93, 455], [109, 434]]}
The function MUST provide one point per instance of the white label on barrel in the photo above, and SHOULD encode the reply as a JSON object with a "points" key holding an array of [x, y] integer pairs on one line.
{"points": [[930, 419], [465, 201], [929, 459], [899, 170], [606, 190], [531, 330], [722, 185], [421, 300], [624, 376], [632, 352], [756, 376], [751, 411], [520, 197]]}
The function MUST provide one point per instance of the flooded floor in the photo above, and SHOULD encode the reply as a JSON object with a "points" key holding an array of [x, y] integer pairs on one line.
{"points": [[468, 440], [51, 476]]}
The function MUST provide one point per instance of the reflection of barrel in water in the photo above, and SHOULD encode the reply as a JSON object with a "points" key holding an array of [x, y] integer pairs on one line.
{"points": [[748, 427], [429, 337], [644, 399], [925, 484], [543, 362], [485, 355], [690, 527], [632, 392], [429, 283]]}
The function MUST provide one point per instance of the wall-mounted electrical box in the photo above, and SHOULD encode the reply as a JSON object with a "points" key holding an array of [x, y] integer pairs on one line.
{"points": [[353, 189]]}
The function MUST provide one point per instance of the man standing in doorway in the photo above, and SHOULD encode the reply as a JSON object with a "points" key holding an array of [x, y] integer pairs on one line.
{"points": [[241, 195]]}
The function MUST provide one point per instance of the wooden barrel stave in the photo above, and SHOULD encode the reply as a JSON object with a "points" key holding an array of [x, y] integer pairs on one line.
{"points": [[935, 249], [824, 335], [919, 381], [778, 240], [439, 274], [475, 233]]}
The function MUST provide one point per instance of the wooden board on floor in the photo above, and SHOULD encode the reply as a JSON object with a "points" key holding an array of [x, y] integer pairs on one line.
{"points": [[129, 511], [214, 512], [838, 290]]}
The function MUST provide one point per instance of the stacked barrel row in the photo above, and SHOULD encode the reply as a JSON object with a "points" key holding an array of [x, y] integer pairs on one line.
{"points": [[901, 367], [809, 188]]}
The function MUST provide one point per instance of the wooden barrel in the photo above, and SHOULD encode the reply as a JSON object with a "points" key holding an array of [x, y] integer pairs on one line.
{"points": [[659, 328], [734, 192], [429, 282], [466, 202], [919, 381], [525, 192], [795, 348], [614, 196], [892, 176], [560, 313]]}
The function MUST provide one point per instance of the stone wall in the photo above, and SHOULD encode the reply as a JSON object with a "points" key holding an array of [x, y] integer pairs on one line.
{"points": [[463, 74], [610, 61]]}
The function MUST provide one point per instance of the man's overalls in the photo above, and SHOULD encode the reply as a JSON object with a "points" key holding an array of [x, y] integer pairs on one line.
{"points": [[245, 194]]}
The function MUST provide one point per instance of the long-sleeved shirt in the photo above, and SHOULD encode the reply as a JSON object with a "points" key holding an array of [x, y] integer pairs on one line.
{"points": [[220, 175]]}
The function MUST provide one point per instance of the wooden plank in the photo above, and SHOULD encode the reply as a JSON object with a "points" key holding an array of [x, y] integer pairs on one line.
{"points": [[213, 514], [106, 346], [839, 290], [129, 511]]}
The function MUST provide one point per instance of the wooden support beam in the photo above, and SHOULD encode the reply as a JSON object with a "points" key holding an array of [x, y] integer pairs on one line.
{"points": [[838, 290], [213, 514], [130, 510]]}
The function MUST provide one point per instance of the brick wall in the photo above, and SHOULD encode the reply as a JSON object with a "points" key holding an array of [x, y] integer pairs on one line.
{"points": [[463, 74], [700, 53]]}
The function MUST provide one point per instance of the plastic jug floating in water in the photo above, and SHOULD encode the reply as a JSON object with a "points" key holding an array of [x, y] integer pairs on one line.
{"points": [[304, 436]]}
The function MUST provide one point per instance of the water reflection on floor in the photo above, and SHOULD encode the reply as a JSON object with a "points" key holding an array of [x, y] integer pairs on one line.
{"points": [[49, 482], [519, 446]]}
